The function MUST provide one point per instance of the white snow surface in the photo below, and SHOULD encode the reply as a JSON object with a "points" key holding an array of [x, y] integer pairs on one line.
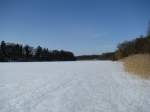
{"points": [[79, 86]]}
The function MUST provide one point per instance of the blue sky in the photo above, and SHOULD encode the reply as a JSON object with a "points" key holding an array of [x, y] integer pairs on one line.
{"points": [[81, 26]]}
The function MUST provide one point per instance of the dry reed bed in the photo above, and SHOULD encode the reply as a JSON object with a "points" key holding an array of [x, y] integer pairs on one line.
{"points": [[138, 64]]}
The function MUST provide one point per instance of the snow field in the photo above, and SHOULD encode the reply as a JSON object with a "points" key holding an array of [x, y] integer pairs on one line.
{"points": [[80, 86]]}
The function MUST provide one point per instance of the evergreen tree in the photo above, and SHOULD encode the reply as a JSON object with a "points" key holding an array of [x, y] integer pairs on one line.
{"points": [[38, 53], [28, 52], [3, 47]]}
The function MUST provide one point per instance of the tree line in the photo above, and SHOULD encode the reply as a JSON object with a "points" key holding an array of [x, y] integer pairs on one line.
{"points": [[18, 52], [103, 56], [140, 45]]}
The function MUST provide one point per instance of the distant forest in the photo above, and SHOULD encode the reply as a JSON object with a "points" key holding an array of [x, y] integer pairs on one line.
{"points": [[103, 56], [17, 52]]}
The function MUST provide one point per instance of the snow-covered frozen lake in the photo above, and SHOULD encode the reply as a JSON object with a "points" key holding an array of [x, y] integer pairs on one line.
{"points": [[86, 86]]}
